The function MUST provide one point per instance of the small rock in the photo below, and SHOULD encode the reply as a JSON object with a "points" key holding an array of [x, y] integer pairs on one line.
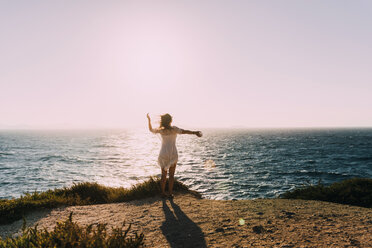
{"points": [[258, 229], [260, 213], [354, 242], [288, 214], [220, 229]]}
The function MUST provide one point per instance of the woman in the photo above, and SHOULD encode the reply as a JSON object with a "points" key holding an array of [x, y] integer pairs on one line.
{"points": [[168, 155]]}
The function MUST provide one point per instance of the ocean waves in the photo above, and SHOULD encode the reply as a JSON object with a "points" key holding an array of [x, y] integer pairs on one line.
{"points": [[224, 164], [64, 159]]}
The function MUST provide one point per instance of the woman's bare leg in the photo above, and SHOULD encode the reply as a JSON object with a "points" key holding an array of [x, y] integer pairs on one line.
{"points": [[171, 178], [163, 181]]}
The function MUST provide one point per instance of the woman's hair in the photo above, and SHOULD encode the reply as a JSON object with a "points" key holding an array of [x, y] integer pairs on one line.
{"points": [[165, 121]]}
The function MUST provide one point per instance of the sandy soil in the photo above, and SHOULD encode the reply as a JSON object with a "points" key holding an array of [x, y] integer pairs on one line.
{"points": [[190, 222]]}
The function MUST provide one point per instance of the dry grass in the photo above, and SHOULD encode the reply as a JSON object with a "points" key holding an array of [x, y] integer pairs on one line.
{"points": [[80, 194]]}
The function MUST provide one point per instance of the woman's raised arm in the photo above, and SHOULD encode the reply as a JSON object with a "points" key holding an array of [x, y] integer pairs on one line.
{"points": [[150, 126]]}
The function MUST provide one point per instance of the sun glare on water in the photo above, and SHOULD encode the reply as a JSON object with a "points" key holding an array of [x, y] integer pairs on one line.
{"points": [[129, 158], [209, 164]]}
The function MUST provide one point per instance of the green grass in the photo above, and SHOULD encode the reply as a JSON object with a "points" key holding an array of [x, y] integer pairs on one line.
{"points": [[356, 191], [80, 194], [70, 234]]}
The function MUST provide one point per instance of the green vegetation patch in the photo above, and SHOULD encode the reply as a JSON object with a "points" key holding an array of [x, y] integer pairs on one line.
{"points": [[81, 194], [356, 191], [70, 234]]}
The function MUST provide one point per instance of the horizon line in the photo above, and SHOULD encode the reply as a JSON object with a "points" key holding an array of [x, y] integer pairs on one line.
{"points": [[201, 128]]}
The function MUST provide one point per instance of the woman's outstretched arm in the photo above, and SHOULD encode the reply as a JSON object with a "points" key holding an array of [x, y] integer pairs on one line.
{"points": [[197, 133]]}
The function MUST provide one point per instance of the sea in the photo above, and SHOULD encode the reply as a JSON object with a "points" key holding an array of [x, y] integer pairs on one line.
{"points": [[223, 164]]}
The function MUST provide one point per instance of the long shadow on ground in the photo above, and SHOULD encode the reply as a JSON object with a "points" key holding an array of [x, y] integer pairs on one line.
{"points": [[179, 229]]}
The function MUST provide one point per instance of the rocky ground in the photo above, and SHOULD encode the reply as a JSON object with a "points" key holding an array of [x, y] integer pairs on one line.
{"points": [[187, 221]]}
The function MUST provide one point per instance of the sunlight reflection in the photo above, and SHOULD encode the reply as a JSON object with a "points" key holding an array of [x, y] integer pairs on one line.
{"points": [[241, 221], [209, 164], [128, 158]]}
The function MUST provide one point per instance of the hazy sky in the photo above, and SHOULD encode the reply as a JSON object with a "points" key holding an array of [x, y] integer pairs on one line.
{"points": [[76, 64]]}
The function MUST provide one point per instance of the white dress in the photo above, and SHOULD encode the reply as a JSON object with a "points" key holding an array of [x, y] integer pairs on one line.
{"points": [[168, 155]]}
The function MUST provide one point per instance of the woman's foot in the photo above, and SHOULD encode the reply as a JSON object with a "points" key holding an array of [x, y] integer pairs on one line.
{"points": [[164, 195], [170, 196]]}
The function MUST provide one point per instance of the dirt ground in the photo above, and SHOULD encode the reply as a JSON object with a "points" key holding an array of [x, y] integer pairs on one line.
{"points": [[187, 221]]}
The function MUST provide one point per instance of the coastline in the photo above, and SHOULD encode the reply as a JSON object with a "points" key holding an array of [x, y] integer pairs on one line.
{"points": [[193, 222]]}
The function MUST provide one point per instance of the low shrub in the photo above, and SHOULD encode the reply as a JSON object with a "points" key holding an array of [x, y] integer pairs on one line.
{"points": [[70, 234], [355, 191]]}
